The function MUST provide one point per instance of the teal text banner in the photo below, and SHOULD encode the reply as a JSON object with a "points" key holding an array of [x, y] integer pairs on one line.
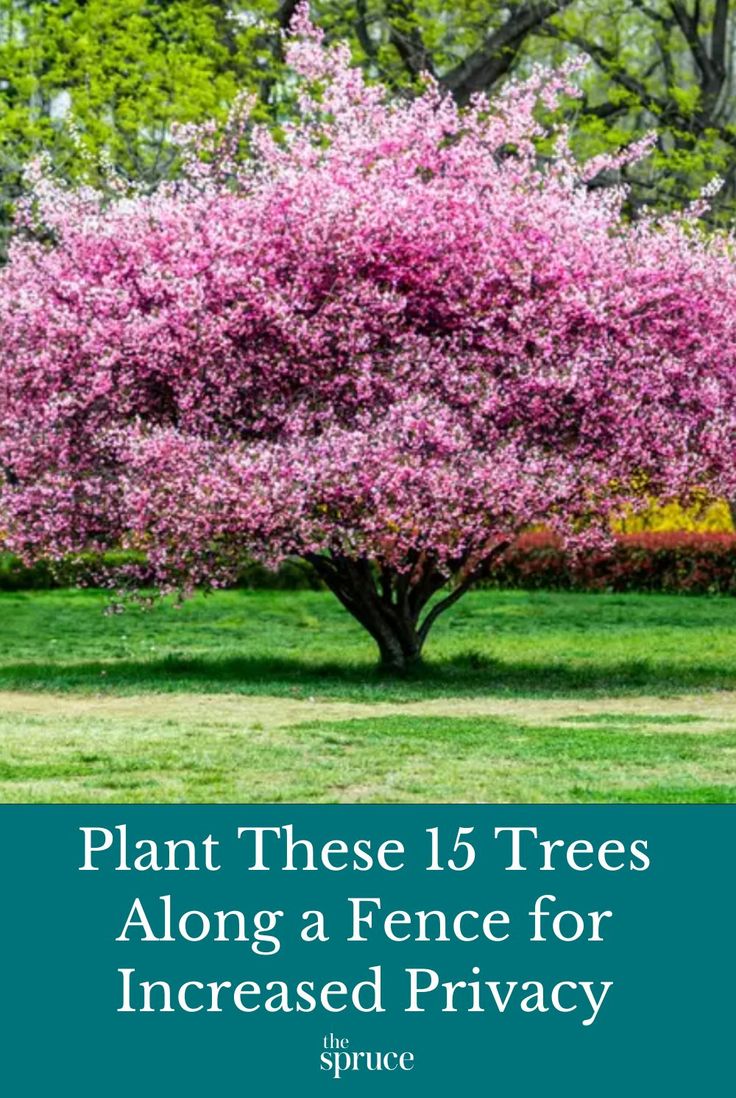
{"points": [[239, 950]]}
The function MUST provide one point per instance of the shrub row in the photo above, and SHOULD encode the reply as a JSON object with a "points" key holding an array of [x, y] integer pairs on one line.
{"points": [[675, 562], [88, 569]]}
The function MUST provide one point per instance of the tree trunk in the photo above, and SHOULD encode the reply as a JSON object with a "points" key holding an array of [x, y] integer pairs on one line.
{"points": [[399, 645], [389, 604], [383, 604]]}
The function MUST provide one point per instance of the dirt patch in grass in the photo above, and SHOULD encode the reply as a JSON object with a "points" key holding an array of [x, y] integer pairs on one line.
{"points": [[706, 712], [242, 750]]}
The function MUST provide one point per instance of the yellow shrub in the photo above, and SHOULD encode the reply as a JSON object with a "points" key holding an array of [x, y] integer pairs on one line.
{"points": [[699, 519]]}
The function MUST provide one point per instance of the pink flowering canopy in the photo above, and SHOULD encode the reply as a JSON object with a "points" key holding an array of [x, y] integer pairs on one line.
{"points": [[386, 343]]}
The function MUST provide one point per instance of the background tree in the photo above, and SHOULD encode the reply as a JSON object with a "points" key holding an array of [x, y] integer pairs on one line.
{"points": [[666, 66], [81, 79], [386, 343]]}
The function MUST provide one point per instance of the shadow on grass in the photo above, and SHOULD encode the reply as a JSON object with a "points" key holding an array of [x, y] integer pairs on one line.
{"points": [[468, 674]]}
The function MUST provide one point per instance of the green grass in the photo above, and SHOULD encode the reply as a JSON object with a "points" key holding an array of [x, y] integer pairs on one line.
{"points": [[389, 759], [143, 714], [302, 643]]}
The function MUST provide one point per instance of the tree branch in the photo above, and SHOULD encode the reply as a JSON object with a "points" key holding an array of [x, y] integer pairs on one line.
{"points": [[408, 43], [457, 592], [499, 51], [664, 108], [444, 604]]}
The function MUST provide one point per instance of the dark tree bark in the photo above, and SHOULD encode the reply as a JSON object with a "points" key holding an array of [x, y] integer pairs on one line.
{"points": [[394, 606], [484, 67], [496, 56]]}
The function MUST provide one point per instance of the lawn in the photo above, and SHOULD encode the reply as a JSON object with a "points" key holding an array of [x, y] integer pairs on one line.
{"points": [[273, 696]]}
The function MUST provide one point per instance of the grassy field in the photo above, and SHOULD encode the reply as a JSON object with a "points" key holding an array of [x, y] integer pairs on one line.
{"points": [[273, 696]]}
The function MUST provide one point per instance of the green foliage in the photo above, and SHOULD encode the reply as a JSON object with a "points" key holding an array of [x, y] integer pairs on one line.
{"points": [[96, 570], [662, 66], [119, 72]]}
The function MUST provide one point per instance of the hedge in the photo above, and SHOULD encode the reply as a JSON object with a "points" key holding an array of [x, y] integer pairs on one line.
{"points": [[674, 562], [88, 569], [85, 569]]}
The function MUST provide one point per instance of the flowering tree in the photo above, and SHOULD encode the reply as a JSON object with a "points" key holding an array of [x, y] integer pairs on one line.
{"points": [[386, 342]]}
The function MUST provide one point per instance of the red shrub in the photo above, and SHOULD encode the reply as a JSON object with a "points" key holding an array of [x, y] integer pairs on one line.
{"points": [[674, 562]]}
